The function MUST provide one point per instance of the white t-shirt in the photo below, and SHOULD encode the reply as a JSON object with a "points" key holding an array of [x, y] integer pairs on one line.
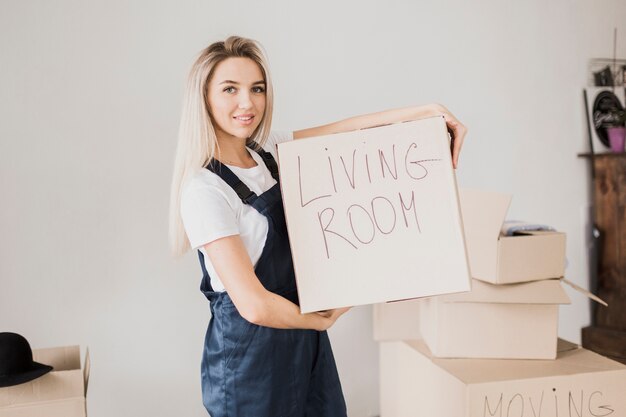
{"points": [[211, 209]]}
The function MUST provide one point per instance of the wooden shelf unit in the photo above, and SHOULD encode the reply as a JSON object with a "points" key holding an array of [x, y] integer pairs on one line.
{"points": [[607, 333]]}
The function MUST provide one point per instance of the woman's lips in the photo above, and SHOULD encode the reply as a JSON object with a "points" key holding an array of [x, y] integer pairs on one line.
{"points": [[244, 119]]}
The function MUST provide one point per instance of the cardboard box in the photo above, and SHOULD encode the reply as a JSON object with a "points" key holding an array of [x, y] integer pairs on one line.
{"points": [[373, 215], [578, 383], [514, 321], [59, 393], [506, 259], [398, 320]]}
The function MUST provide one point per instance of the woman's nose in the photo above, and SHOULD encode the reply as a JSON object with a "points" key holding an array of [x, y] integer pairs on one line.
{"points": [[244, 100]]}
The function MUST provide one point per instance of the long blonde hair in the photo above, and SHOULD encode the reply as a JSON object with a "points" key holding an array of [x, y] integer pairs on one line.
{"points": [[197, 141]]}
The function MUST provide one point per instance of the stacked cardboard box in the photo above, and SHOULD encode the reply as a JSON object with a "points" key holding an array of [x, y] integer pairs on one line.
{"points": [[578, 383], [493, 351]]}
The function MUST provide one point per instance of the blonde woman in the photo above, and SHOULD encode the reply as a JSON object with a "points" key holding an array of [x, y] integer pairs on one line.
{"points": [[261, 356]]}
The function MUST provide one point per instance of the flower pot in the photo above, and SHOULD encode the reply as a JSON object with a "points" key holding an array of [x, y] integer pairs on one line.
{"points": [[617, 135]]}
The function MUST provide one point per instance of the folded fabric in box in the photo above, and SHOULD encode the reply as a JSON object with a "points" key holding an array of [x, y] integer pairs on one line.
{"points": [[516, 227]]}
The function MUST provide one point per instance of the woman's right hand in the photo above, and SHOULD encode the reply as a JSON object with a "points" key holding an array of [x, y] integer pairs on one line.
{"points": [[253, 301], [331, 316]]}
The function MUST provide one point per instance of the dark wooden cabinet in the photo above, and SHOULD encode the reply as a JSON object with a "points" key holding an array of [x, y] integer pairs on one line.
{"points": [[607, 333]]}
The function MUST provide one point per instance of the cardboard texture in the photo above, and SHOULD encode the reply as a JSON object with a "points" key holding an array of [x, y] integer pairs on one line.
{"points": [[60, 393], [578, 383], [397, 320], [514, 321], [373, 215], [506, 259]]}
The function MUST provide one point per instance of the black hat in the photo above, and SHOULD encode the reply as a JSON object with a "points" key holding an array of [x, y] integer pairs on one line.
{"points": [[16, 361]]}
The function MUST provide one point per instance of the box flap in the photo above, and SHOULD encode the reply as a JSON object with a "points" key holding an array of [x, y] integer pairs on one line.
{"points": [[87, 369], [563, 345], [584, 292], [548, 291], [483, 215], [484, 211], [568, 362], [61, 358]]}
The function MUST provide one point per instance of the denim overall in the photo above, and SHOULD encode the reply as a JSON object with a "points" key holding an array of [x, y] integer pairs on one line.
{"points": [[256, 371]]}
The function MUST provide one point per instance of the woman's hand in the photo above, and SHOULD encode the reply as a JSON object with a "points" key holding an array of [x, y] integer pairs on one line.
{"points": [[331, 316], [457, 129]]}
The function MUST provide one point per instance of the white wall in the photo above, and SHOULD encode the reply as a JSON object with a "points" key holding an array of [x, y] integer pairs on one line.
{"points": [[90, 95]]}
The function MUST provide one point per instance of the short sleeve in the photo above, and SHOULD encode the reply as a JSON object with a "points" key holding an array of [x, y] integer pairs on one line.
{"points": [[206, 213]]}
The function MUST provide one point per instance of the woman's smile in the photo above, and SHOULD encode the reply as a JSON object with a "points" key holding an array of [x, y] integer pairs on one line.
{"points": [[245, 119]]}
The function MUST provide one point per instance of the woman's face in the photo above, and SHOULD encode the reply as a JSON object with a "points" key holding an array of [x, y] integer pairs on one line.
{"points": [[236, 97]]}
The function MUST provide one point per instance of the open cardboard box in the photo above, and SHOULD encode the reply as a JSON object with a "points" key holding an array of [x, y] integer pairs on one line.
{"points": [[60, 393], [578, 383], [506, 259], [514, 321]]}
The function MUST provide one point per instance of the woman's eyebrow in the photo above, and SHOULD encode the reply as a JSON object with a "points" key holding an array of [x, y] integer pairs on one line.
{"points": [[235, 82]]}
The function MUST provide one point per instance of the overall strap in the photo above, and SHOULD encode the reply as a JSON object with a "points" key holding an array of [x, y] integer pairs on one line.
{"points": [[205, 286], [242, 190], [269, 161]]}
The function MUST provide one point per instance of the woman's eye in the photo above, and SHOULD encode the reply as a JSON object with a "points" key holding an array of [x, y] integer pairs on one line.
{"points": [[229, 89], [258, 89]]}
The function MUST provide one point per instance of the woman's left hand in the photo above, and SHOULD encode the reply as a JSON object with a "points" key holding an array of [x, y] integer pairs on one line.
{"points": [[457, 129]]}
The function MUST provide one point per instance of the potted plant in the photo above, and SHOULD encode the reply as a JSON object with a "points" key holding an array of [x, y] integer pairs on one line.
{"points": [[615, 129]]}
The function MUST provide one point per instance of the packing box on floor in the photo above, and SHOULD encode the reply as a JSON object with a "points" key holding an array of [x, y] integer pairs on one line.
{"points": [[59, 393], [398, 320], [513, 321], [578, 383], [506, 259]]}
